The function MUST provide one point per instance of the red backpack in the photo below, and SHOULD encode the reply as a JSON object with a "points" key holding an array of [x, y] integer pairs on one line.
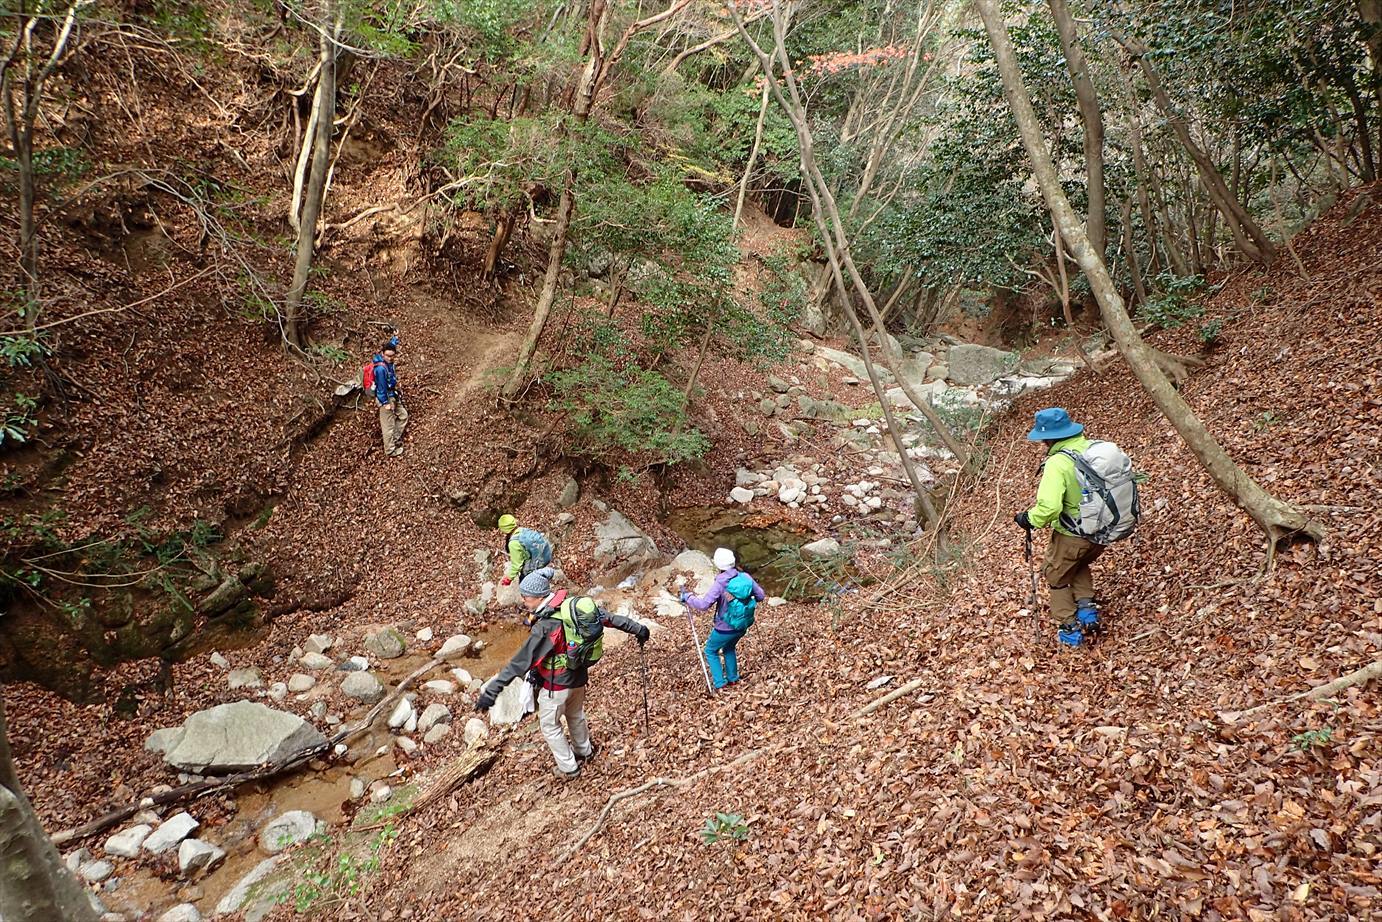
{"points": [[367, 376]]}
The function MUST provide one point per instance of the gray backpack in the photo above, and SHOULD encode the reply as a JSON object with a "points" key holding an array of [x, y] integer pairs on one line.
{"points": [[1109, 507]]}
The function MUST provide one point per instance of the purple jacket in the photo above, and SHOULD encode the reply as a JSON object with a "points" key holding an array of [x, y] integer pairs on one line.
{"points": [[716, 596]]}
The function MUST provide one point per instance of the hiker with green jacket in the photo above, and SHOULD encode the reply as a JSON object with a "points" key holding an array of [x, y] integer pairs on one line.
{"points": [[1068, 556], [528, 549], [564, 641]]}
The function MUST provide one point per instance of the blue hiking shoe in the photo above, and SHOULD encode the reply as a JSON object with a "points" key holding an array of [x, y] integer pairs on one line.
{"points": [[1087, 614], [1070, 634]]}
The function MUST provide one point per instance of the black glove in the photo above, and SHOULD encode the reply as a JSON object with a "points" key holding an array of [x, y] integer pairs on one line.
{"points": [[642, 635], [1023, 521], [485, 701]]}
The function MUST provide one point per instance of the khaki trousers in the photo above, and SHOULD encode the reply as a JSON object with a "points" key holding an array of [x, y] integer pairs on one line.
{"points": [[1066, 569], [552, 708], [391, 425]]}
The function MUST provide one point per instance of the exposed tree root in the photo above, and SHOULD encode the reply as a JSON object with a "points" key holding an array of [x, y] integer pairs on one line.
{"points": [[1358, 677]]}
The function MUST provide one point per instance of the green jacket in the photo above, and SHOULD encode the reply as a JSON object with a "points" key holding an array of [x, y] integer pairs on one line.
{"points": [[518, 556], [1059, 490]]}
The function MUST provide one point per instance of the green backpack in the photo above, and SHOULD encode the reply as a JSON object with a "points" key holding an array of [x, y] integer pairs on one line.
{"points": [[741, 605], [584, 631]]}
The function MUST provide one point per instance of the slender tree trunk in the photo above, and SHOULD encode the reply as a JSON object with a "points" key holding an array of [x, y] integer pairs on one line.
{"points": [[753, 156], [1368, 169], [503, 230], [1093, 120], [1277, 519], [316, 181], [1139, 287], [35, 885], [695, 374], [1370, 11]]}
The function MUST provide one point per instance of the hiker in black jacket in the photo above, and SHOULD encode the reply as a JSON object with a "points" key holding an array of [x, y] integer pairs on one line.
{"points": [[561, 684]]}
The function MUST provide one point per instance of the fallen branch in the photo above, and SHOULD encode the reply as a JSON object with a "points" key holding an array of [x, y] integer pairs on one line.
{"points": [[630, 793], [889, 698], [199, 789], [1358, 677], [477, 759]]}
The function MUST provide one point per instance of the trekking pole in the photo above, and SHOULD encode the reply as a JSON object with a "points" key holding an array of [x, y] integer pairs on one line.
{"points": [[700, 654], [643, 661], [1031, 572]]}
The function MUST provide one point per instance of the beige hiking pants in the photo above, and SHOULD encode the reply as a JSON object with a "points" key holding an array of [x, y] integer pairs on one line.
{"points": [[1066, 568], [391, 424], [552, 708]]}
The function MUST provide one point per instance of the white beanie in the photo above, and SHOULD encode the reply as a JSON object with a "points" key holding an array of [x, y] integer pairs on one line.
{"points": [[724, 558]]}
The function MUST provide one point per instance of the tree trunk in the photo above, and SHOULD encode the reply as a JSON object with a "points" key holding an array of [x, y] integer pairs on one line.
{"points": [[503, 230], [1277, 519], [325, 104], [1250, 238], [1093, 119], [1139, 287], [35, 885], [753, 155], [1370, 11], [1368, 170]]}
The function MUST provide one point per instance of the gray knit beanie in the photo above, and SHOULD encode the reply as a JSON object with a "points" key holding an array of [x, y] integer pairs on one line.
{"points": [[537, 584]]}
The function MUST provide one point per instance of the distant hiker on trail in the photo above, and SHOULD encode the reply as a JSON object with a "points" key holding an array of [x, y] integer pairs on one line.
{"points": [[528, 549], [1088, 496], [382, 378], [565, 640], [735, 595]]}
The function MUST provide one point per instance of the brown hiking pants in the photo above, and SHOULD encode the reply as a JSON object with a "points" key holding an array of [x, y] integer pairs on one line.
{"points": [[1066, 568], [392, 420]]}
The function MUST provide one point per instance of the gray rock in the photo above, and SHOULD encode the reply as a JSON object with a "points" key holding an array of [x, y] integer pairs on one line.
{"points": [[278, 692], [402, 713], [564, 519], [440, 687], [741, 495], [127, 842], [219, 661], [76, 859], [750, 425], [437, 734], [93, 872], [475, 730], [160, 741], [195, 855], [570, 494], [386, 644], [938, 372], [432, 715], [825, 547], [380, 794], [746, 478], [316, 661], [287, 830], [300, 682], [767, 406], [239, 736], [463, 677], [245, 678], [318, 643], [362, 686], [240, 896], [425, 635], [357, 788], [622, 546], [455, 647], [183, 912], [354, 664], [777, 384], [170, 834], [851, 363], [972, 364]]}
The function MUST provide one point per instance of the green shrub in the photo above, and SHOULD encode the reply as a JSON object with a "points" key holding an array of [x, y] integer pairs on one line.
{"points": [[1172, 307]]}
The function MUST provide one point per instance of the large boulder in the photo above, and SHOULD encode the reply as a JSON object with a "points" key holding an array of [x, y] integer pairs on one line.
{"points": [[851, 363], [287, 830], [972, 364], [257, 892], [621, 546], [239, 736], [170, 833], [512, 704]]}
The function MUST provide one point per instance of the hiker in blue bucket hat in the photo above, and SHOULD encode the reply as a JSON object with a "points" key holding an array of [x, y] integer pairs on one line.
{"points": [[1082, 484]]}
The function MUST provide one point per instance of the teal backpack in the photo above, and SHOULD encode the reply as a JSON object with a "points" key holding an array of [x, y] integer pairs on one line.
{"points": [[741, 606], [536, 544]]}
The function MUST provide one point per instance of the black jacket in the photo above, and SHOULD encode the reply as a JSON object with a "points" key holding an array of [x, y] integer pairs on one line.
{"points": [[546, 641]]}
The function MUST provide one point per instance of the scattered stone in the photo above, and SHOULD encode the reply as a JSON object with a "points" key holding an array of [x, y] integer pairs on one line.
{"points": [[879, 682], [972, 364], [455, 647], [93, 872], [195, 855], [750, 425], [777, 384], [440, 687], [402, 713], [239, 895], [773, 601], [160, 741], [300, 682], [425, 635], [824, 547], [437, 734], [432, 715], [126, 844], [405, 744], [219, 661], [380, 794], [741, 495], [938, 372], [475, 729], [170, 834], [245, 678], [570, 494], [183, 912], [479, 646], [362, 686], [287, 830], [77, 858], [386, 644], [850, 380], [357, 788], [278, 692], [463, 678], [239, 736], [318, 643], [315, 661], [354, 664], [564, 519]]}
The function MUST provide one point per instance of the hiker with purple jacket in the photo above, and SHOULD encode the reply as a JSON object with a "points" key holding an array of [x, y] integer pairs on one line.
{"points": [[735, 595]]}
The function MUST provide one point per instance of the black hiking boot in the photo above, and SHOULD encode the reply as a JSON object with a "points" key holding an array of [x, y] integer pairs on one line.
{"points": [[567, 776]]}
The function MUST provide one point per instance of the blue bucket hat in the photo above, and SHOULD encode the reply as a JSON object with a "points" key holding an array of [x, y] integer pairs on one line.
{"points": [[1053, 423]]}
